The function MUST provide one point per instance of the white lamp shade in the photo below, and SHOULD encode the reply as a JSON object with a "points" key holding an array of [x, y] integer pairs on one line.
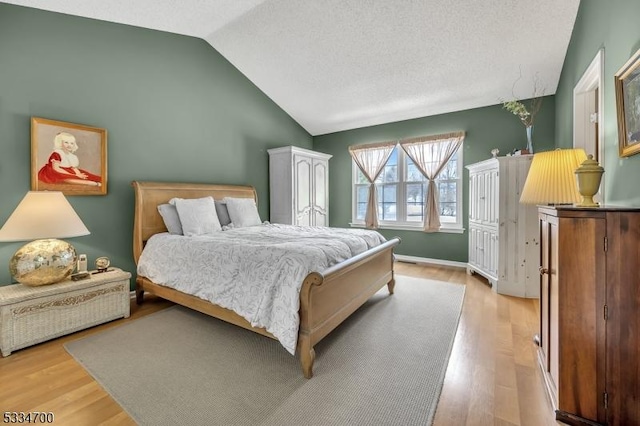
{"points": [[43, 214], [552, 179]]}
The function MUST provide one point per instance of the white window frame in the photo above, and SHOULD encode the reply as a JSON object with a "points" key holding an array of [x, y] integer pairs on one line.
{"points": [[447, 224]]}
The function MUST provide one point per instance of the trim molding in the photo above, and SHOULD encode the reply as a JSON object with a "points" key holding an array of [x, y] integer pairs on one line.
{"points": [[403, 227], [429, 261], [591, 81]]}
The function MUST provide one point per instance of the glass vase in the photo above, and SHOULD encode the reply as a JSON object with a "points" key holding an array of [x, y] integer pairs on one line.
{"points": [[529, 130]]}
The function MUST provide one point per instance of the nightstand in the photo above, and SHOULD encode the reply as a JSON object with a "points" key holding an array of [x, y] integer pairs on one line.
{"points": [[30, 315]]}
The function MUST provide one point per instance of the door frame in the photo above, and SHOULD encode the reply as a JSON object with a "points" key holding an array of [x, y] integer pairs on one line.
{"points": [[590, 82]]}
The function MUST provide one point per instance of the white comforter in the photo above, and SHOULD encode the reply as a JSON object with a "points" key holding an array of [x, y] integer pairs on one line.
{"points": [[255, 271]]}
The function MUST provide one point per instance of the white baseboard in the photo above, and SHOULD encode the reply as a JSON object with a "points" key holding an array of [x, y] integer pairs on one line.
{"points": [[429, 261]]}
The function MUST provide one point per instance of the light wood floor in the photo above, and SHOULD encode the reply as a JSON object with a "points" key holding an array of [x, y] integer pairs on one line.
{"points": [[492, 378]]}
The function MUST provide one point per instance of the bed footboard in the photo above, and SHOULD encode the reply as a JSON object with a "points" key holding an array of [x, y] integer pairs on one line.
{"points": [[327, 299]]}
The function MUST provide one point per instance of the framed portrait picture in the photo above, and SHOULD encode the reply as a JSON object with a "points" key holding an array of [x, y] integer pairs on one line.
{"points": [[68, 157], [627, 83]]}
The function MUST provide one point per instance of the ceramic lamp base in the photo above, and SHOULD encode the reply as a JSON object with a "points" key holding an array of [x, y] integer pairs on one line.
{"points": [[43, 262], [587, 201]]}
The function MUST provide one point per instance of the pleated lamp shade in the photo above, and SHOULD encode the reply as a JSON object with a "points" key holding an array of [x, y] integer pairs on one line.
{"points": [[552, 179]]}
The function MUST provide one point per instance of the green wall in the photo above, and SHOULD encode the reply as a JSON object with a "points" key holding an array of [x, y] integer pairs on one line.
{"points": [[174, 109], [612, 25], [486, 128]]}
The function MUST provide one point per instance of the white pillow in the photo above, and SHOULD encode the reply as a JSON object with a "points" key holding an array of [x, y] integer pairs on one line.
{"points": [[243, 212], [197, 215]]}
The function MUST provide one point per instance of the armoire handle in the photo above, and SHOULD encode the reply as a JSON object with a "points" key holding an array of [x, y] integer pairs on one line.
{"points": [[543, 271]]}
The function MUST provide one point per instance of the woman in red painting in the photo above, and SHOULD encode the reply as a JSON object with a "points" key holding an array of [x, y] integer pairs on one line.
{"points": [[62, 166]]}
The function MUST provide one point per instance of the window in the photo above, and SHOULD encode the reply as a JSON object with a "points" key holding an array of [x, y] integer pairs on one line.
{"points": [[402, 191]]}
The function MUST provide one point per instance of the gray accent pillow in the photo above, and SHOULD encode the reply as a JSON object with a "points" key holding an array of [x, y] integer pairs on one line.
{"points": [[171, 219], [223, 213]]}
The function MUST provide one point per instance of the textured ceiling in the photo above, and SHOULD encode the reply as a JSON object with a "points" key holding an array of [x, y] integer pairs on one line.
{"points": [[341, 64]]}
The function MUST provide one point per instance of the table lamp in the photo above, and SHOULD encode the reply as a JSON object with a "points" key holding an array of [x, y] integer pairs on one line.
{"points": [[551, 179], [43, 216]]}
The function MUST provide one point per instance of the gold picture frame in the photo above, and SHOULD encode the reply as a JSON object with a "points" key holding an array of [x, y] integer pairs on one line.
{"points": [[627, 85], [68, 157]]}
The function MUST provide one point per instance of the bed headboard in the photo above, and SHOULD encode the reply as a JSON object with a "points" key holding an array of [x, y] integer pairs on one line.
{"points": [[148, 195]]}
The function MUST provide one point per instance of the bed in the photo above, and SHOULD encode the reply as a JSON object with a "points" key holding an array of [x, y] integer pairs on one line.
{"points": [[327, 298]]}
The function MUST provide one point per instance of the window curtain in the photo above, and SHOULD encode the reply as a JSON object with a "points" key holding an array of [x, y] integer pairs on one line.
{"points": [[371, 159], [430, 154]]}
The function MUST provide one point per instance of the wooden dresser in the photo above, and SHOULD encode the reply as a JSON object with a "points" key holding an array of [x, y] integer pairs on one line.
{"points": [[590, 313]]}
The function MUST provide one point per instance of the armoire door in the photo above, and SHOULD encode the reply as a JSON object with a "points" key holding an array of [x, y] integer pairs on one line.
{"points": [[319, 185], [492, 197], [303, 203], [474, 197], [623, 319], [581, 297], [543, 334], [549, 304]]}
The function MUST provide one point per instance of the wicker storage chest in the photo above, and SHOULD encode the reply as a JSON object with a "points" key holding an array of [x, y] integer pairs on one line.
{"points": [[30, 315]]}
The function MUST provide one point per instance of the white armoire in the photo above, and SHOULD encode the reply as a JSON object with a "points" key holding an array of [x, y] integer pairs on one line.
{"points": [[299, 186], [503, 234]]}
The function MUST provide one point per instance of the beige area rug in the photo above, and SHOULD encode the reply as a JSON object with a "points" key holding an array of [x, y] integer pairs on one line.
{"points": [[384, 366]]}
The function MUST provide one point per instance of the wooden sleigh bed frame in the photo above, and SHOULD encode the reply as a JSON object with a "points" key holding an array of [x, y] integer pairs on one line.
{"points": [[326, 299]]}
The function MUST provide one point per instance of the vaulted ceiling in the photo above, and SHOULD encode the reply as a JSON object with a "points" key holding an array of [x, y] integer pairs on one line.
{"points": [[335, 65]]}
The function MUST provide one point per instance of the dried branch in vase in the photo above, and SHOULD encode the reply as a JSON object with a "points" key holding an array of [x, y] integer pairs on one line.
{"points": [[526, 113]]}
